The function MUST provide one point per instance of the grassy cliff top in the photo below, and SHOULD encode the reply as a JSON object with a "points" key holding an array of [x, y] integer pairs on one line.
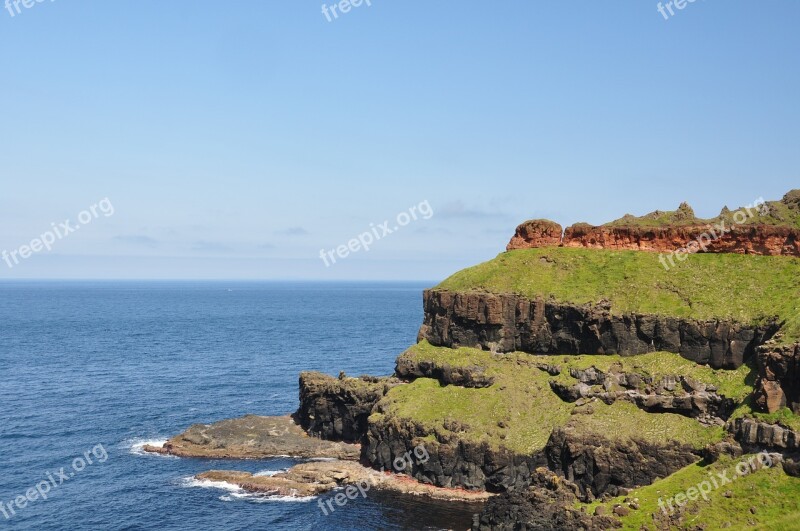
{"points": [[747, 289], [774, 495], [520, 410], [785, 212]]}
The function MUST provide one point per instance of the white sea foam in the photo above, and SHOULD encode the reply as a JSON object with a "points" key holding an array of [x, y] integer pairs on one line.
{"points": [[234, 492], [192, 481], [136, 447]]}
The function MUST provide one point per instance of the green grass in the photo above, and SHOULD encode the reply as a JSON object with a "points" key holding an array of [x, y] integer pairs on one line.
{"points": [[775, 496], [784, 416], [519, 411], [778, 213], [623, 421], [735, 384], [747, 289]]}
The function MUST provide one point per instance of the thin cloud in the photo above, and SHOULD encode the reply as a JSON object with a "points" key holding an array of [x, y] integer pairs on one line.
{"points": [[137, 239], [293, 231], [213, 247]]}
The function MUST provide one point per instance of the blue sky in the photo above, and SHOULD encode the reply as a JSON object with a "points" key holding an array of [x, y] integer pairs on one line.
{"points": [[238, 139]]}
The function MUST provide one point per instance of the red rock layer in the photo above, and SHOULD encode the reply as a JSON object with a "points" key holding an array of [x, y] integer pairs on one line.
{"points": [[742, 239], [536, 233]]}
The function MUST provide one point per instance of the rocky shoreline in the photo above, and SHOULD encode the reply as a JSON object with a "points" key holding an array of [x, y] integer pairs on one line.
{"points": [[254, 437], [535, 407]]}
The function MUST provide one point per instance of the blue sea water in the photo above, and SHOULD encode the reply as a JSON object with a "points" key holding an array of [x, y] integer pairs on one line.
{"points": [[118, 364]]}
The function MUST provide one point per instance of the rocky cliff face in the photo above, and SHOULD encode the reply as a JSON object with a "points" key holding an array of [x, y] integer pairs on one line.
{"points": [[778, 382], [452, 462], [547, 505], [768, 228], [536, 233], [746, 239], [507, 323], [338, 409], [755, 435], [408, 368], [600, 466]]}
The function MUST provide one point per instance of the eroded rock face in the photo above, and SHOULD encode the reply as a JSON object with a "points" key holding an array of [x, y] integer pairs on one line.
{"points": [[670, 394], [755, 435], [601, 466], [778, 382], [548, 505], [536, 233], [409, 368], [337, 409], [451, 461], [507, 323], [742, 239], [775, 234], [253, 437]]}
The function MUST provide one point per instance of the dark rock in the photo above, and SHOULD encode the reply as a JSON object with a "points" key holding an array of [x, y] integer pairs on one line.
{"points": [[754, 435], [621, 510], [507, 323], [670, 394], [337, 409], [548, 505], [409, 368], [728, 447], [451, 462], [600, 466], [253, 437], [778, 383]]}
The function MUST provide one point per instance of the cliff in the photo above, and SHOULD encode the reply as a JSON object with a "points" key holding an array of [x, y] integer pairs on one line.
{"points": [[579, 381], [508, 323]]}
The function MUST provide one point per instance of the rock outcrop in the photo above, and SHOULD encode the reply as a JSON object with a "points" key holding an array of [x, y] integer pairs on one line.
{"points": [[741, 239], [337, 409], [548, 505], [670, 394], [755, 435], [507, 323], [253, 437], [761, 229], [312, 479], [598, 465], [778, 383], [409, 368], [536, 233], [452, 461]]}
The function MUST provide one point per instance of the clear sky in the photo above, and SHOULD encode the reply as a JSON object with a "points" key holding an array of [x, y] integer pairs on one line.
{"points": [[235, 140]]}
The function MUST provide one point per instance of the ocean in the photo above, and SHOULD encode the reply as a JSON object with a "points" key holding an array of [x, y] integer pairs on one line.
{"points": [[94, 370]]}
